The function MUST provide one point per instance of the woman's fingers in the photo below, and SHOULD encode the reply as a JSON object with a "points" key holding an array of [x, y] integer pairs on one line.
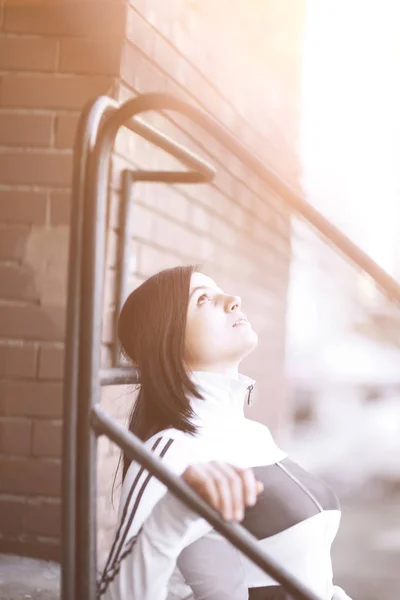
{"points": [[203, 483], [227, 488], [230, 488], [251, 486], [212, 484]]}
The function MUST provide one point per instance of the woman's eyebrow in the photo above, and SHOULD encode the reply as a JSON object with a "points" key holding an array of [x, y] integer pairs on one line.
{"points": [[196, 289], [204, 287]]}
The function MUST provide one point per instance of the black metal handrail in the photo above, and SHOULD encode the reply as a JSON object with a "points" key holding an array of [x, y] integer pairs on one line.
{"points": [[84, 377]]}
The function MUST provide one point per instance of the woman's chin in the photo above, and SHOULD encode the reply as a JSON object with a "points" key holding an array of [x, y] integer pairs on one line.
{"points": [[251, 340], [255, 338]]}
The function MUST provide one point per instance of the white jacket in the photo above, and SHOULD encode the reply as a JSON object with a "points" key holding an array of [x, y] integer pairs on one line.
{"points": [[164, 550]]}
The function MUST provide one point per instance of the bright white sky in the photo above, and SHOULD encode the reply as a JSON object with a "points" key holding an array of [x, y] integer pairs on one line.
{"points": [[350, 150], [350, 130]]}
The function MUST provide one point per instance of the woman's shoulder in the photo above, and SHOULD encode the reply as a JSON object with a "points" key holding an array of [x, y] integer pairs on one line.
{"points": [[171, 433], [176, 450], [174, 439]]}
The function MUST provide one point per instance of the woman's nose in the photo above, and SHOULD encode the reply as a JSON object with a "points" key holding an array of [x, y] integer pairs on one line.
{"points": [[233, 303]]}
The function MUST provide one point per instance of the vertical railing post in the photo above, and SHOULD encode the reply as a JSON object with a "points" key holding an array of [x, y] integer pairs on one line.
{"points": [[124, 242], [84, 142], [91, 310]]}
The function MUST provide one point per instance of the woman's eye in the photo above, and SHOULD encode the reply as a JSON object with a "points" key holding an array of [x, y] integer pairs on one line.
{"points": [[202, 299]]}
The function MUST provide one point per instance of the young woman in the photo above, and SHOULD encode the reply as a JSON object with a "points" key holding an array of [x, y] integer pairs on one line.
{"points": [[188, 337]]}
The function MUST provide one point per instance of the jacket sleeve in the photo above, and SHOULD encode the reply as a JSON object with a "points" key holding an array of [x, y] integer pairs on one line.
{"points": [[147, 569], [153, 528], [213, 569]]}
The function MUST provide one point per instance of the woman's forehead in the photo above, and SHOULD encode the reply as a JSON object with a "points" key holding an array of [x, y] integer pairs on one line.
{"points": [[199, 279]]}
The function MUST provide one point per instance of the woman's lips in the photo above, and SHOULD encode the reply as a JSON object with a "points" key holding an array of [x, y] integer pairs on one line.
{"points": [[241, 321]]}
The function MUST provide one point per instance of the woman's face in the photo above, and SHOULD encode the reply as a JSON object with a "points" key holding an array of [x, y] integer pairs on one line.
{"points": [[218, 335]]}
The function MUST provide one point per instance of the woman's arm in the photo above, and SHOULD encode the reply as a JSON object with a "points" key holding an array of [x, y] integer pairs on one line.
{"points": [[150, 557], [147, 569], [213, 569]]}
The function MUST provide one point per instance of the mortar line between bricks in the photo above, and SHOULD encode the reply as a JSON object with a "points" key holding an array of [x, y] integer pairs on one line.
{"points": [[58, 52], [43, 419], [49, 541], [42, 150], [38, 111], [47, 218], [25, 35], [45, 499], [18, 187], [41, 459], [51, 74], [6, 496], [22, 303], [51, 421], [39, 351], [52, 141], [47, 344], [14, 419], [7, 262], [18, 344]]}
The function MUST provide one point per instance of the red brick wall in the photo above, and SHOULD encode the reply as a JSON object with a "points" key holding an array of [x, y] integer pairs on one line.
{"points": [[53, 58]]}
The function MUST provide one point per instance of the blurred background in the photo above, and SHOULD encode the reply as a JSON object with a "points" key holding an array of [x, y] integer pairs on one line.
{"points": [[313, 88], [343, 336]]}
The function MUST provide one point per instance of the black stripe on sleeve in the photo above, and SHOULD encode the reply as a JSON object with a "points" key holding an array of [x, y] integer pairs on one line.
{"points": [[103, 584], [111, 572], [125, 510]]}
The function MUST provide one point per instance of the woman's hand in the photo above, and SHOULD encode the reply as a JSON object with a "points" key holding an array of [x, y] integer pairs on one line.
{"points": [[227, 488]]}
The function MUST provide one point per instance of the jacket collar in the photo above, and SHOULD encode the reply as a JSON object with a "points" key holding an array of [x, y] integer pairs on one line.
{"points": [[224, 397]]}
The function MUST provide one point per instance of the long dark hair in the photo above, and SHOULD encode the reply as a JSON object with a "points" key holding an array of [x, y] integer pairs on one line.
{"points": [[151, 330]]}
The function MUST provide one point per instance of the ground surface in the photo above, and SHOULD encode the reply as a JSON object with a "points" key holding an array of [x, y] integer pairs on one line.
{"points": [[28, 579]]}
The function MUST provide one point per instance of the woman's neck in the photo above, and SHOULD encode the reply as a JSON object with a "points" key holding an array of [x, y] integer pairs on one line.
{"points": [[224, 370]]}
